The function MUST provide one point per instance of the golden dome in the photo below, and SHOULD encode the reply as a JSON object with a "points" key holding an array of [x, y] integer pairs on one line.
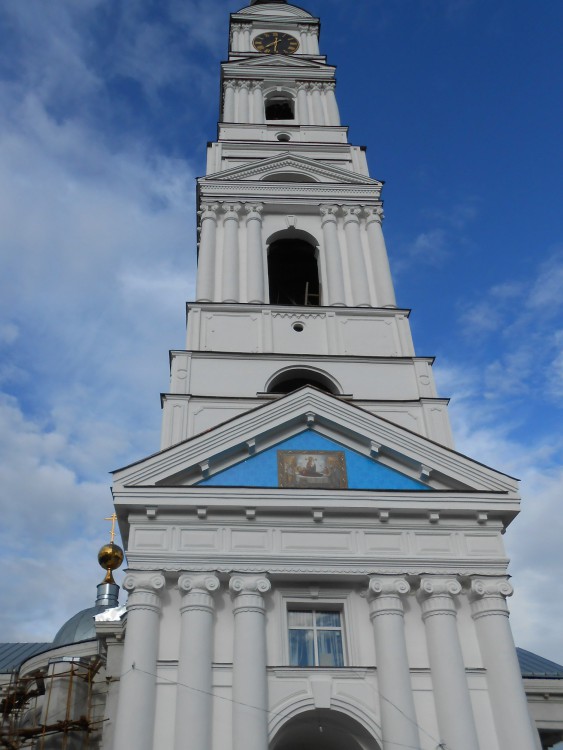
{"points": [[110, 558]]}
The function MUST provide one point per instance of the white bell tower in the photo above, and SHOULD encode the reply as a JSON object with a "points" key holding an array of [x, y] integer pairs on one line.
{"points": [[311, 564], [293, 284]]}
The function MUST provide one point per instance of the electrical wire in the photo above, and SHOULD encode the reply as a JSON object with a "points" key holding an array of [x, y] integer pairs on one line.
{"points": [[273, 714]]}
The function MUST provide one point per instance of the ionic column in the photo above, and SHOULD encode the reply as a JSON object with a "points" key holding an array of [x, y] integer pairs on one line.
{"points": [[137, 689], [195, 662], [451, 693], [231, 253], [229, 102], [335, 292], [257, 102], [398, 717], [255, 253], [303, 104], [205, 291], [508, 699], [358, 272], [332, 104], [250, 686], [380, 261], [318, 112], [303, 39], [243, 101]]}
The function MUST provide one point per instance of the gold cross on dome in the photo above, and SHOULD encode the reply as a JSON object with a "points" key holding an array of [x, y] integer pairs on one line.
{"points": [[113, 519]]}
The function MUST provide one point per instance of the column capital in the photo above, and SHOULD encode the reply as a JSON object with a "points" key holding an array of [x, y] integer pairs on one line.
{"points": [[208, 211], [254, 210], [329, 213], [231, 210], [351, 213], [303, 27], [374, 215], [256, 85], [329, 86], [191, 582], [230, 83], [197, 590], [488, 597], [436, 595], [303, 85], [388, 586], [244, 84], [384, 595], [240, 584], [316, 86], [144, 590]]}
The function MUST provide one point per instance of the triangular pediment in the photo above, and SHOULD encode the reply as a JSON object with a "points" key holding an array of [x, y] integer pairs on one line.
{"points": [[276, 61], [274, 11], [311, 170], [255, 448]]}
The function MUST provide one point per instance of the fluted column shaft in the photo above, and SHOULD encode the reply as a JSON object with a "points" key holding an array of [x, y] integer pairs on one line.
{"points": [[380, 261], [255, 254], [504, 678], [235, 44], [398, 717], [335, 292], [257, 102], [243, 102], [231, 253], [205, 291], [451, 692], [303, 104], [250, 686], [358, 273], [332, 104], [318, 112], [195, 662], [229, 103], [137, 690]]}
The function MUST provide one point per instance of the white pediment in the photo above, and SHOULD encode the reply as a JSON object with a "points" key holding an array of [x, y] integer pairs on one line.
{"points": [[275, 61], [289, 163], [309, 409]]}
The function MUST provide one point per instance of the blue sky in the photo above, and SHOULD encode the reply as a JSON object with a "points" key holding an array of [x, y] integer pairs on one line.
{"points": [[105, 111]]}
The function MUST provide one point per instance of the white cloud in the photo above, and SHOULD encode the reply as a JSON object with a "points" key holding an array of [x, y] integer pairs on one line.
{"points": [[484, 432]]}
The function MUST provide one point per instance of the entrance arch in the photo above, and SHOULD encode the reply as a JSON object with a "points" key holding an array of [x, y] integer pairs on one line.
{"points": [[323, 729]]}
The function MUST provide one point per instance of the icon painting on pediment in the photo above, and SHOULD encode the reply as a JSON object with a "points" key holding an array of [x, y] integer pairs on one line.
{"points": [[312, 469]]}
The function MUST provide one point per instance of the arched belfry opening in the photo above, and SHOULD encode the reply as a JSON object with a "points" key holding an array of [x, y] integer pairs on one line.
{"points": [[323, 729], [293, 272], [298, 377], [279, 106]]}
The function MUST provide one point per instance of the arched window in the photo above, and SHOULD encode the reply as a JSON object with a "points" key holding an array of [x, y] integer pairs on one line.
{"points": [[298, 377], [280, 106], [293, 272]]}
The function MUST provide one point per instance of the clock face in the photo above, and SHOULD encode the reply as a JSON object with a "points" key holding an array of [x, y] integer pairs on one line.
{"points": [[276, 43]]}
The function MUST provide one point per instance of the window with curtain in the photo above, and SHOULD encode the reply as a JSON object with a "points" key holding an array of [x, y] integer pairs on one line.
{"points": [[315, 638]]}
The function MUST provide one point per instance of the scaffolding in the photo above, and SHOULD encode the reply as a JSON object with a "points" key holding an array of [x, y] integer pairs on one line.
{"points": [[51, 709]]}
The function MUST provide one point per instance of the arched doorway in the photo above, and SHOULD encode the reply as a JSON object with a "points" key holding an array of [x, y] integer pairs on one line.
{"points": [[293, 272], [323, 729]]}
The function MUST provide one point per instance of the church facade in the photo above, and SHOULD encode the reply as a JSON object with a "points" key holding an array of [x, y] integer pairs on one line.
{"points": [[311, 564]]}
